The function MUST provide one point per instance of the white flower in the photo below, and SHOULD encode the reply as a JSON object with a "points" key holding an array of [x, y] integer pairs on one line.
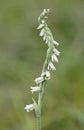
{"points": [[29, 108], [54, 58], [55, 43], [42, 32], [39, 80], [51, 66], [44, 37], [56, 52], [48, 39], [47, 10], [46, 74], [35, 89], [43, 21], [44, 11], [40, 26]]}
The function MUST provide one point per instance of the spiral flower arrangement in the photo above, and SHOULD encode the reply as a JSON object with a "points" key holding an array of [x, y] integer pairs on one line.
{"points": [[51, 58]]}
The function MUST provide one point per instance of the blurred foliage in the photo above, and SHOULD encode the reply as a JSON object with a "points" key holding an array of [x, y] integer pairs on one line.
{"points": [[22, 53]]}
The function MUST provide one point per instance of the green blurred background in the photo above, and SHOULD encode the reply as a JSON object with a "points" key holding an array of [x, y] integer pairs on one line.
{"points": [[22, 53]]}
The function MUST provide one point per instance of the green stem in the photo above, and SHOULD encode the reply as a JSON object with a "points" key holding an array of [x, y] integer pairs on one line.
{"points": [[38, 122]]}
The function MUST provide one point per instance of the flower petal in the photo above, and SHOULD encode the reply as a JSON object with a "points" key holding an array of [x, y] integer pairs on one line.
{"points": [[55, 43], [29, 108], [40, 26], [54, 58], [51, 66], [35, 89], [42, 32], [56, 52], [39, 80], [46, 75]]}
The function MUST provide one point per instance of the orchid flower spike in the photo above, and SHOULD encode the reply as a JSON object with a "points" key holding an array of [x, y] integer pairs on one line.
{"points": [[51, 57]]}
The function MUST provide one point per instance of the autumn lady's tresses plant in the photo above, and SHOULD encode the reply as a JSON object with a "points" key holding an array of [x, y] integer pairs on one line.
{"points": [[51, 57]]}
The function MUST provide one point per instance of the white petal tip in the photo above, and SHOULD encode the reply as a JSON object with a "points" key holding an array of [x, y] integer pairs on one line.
{"points": [[55, 43]]}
